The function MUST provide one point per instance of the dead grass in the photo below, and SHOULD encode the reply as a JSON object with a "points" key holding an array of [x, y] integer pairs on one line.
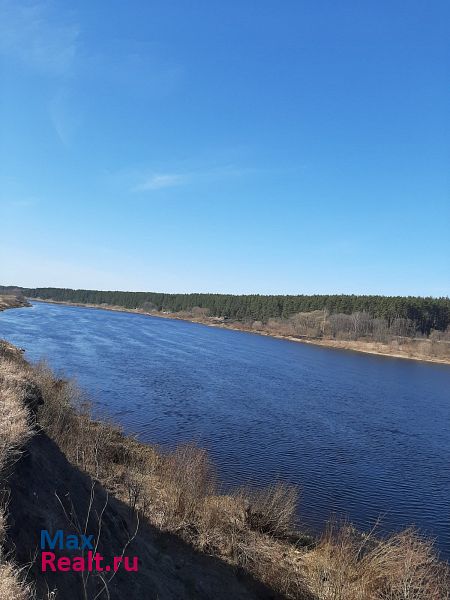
{"points": [[16, 423], [272, 509], [12, 587], [12, 301], [15, 430], [348, 565]]}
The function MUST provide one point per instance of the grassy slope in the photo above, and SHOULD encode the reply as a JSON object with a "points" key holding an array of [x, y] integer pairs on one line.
{"points": [[169, 568], [15, 431]]}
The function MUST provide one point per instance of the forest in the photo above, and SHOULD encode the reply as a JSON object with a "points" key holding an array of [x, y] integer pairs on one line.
{"points": [[424, 314]]}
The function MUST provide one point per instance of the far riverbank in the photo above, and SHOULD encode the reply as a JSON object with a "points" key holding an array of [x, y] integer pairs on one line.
{"points": [[411, 349]]}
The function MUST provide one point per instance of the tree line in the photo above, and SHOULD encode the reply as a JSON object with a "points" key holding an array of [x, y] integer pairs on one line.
{"points": [[425, 313]]}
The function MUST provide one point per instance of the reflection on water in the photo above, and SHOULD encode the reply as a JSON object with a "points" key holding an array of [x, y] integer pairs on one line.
{"points": [[362, 435]]}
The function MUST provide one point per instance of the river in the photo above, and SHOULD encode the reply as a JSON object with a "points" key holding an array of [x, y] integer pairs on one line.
{"points": [[363, 436]]}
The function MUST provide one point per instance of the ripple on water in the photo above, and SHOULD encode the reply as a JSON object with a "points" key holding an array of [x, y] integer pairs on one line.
{"points": [[362, 435]]}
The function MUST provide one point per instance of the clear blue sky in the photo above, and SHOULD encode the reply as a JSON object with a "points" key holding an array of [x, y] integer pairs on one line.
{"points": [[238, 146]]}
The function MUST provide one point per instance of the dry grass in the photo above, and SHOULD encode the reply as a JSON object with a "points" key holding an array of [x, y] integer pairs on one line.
{"points": [[272, 509], [12, 301], [347, 565], [15, 430], [12, 587], [16, 423], [188, 478]]}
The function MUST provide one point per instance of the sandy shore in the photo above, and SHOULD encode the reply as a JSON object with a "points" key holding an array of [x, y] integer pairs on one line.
{"points": [[377, 348]]}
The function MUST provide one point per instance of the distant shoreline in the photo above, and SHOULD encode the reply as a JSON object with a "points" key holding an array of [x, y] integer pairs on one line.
{"points": [[366, 347], [8, 301]]}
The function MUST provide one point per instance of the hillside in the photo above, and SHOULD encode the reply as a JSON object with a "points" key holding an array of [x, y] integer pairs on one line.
{"points": [[48, 491]]}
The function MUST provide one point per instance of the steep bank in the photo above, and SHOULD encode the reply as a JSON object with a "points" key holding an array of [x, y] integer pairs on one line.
{"points": [[48, 491], [192, 542], [424, 349], [17, 402]]}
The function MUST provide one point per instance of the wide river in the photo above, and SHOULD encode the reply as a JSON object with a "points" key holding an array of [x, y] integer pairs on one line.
{"points": [[363, 436]]}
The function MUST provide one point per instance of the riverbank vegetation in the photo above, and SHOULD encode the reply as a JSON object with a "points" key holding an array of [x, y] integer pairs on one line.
{"points": [[358, 331], [169, 508], [12, 300], [424, 315]]}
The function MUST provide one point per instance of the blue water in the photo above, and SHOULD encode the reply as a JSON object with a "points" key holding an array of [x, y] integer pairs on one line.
{"points": [[363, 436]]}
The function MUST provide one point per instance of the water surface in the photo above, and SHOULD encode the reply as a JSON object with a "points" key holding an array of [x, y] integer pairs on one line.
{"points": [[363, 436]]}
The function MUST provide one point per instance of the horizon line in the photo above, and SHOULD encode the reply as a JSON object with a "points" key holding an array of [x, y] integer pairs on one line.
{"points": [[446, 297]]}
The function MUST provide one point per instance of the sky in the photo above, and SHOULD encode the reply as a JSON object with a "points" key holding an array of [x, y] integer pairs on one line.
{"points": [[242, 146]]}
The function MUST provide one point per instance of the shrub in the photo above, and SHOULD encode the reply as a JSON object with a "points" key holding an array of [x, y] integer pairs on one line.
{"points": [[272, 509]]}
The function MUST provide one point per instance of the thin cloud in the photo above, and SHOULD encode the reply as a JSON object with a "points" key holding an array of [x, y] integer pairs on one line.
{"points": [[160, 181], [168, 180], [31, 34], [65, 116]]}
